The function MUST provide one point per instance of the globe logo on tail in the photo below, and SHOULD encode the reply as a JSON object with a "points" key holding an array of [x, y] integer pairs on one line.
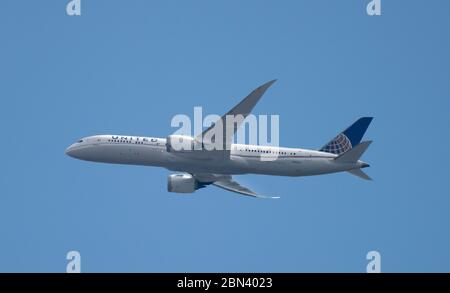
{"points": [[340, 144]]}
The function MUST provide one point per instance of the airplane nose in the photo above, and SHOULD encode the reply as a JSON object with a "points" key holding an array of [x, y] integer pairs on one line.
{"points": [[70, 151]]}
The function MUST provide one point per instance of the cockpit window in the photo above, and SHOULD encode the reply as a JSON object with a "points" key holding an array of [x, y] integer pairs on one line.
{"points": [[80, 141]]}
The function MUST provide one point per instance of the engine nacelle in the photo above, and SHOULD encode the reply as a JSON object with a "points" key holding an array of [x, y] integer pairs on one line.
{"points": [[180, 143], [181, 183]]}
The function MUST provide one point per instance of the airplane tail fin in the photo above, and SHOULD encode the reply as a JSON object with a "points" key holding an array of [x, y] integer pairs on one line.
{"points": [[349, 138], [353, 155]]}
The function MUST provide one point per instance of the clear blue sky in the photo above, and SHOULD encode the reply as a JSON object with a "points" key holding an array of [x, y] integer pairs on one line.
{"points": [[128, 66]]}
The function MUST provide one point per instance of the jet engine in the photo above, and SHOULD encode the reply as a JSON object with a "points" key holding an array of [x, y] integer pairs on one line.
{"points": [[181, 183]]}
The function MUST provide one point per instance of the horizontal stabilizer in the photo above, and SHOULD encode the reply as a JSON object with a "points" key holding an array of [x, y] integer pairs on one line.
{"points": [[353, 155], [360, 173]]}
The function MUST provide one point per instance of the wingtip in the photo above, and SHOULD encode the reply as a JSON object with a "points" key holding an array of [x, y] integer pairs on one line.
{"points": [[269, 83], [268, 197]]}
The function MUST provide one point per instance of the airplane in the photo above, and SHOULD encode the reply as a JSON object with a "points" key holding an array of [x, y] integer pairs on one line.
{"points": [[199, 167]]}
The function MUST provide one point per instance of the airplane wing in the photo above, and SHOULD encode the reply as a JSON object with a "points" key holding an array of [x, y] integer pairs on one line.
{"points": [[226, 182], [244, 108]]}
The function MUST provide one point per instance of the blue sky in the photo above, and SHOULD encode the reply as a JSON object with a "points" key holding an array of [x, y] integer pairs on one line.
{"points": [[127, 67]]}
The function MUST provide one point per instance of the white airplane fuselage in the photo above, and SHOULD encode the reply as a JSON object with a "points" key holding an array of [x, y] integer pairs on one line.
{"points": [[243, 159], [210, 159]]}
